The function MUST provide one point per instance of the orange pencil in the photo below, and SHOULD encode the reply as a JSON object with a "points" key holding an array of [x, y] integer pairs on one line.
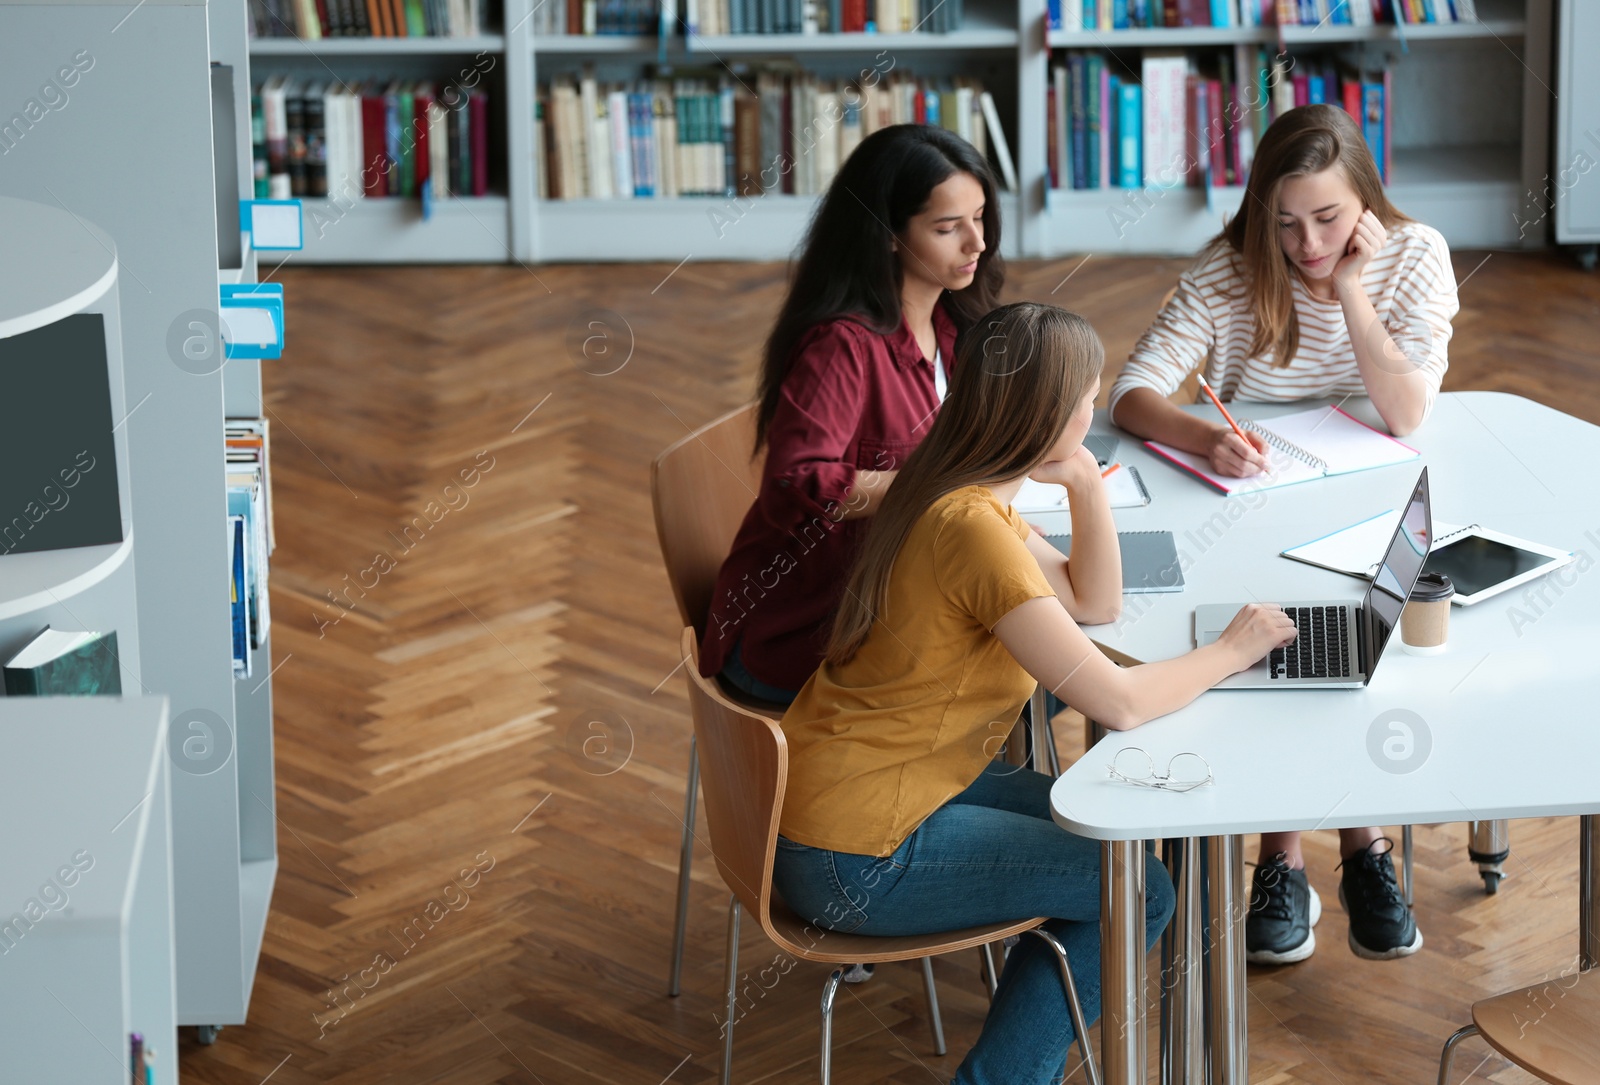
{"points": [[1107, 472], [1207, 389]]}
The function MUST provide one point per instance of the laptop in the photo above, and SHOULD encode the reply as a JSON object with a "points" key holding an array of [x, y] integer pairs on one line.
{"points": [[1340, 643]]}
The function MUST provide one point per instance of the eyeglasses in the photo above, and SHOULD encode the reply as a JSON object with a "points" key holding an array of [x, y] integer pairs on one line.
{"points": [[1183, 774]]}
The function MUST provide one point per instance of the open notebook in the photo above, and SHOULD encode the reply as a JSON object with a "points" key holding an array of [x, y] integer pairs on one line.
{"points": [[1305, 445], [1124, 488]]}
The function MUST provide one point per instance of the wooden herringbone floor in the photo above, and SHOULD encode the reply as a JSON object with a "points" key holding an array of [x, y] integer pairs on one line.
{"points": [[481, 740]]}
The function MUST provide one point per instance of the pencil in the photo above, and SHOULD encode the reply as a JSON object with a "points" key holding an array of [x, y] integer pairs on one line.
{"points": [[1207, 389], [1107, 472]]}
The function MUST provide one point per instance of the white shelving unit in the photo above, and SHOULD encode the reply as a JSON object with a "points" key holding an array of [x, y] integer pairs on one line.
{"points": [[86, 958], [1468, 183], [133, 154], [1571, 196]]}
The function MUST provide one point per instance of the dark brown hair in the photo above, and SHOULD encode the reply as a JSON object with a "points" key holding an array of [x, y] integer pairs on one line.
{"points": [[846, 266]]}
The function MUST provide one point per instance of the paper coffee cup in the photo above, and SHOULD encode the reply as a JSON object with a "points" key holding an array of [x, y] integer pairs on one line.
{"points": [[1425, 621]]}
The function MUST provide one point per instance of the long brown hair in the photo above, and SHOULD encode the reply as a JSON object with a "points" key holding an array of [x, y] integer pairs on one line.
{"points": [[1021, 372], [846, 266], [1305, 140]]}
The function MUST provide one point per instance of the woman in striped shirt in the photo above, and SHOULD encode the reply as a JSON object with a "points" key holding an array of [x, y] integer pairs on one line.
{"points": [[1317, 287]]}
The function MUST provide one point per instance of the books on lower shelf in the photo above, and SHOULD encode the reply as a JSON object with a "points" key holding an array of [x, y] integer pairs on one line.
{"points": [[720, 136], [371, 138], [250, 536], [314, 19], [58, 662], [1191, 118], [1138, 14]]}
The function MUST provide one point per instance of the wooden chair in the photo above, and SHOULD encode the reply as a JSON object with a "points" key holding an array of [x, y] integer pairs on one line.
{"points": [[744, 770], [701, 487], [1549, 1029]]}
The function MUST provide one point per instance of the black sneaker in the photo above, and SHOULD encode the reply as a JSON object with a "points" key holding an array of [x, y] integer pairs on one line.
{"points": [[1283, 909], [1381, 926]]}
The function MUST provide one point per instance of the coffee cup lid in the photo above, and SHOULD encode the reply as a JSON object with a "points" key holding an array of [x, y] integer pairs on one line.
{"points": [[1432, 587]]}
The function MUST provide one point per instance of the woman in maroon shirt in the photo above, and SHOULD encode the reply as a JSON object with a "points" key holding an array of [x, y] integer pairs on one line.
{"points": [[901, 256]]}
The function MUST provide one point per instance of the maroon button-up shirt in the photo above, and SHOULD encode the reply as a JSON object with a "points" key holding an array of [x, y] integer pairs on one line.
{"points": [[852, 400]]}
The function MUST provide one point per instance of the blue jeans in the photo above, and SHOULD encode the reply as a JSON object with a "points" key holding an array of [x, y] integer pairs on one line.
{"points": [[734, 671], [989, 855]]}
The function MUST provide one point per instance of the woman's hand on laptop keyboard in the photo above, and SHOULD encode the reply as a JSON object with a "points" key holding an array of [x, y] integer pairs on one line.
{"points": [[1257, 629]]}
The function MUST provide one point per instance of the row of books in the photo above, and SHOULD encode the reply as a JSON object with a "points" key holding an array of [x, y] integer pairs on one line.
{"points": [[661, 138], [697, 18], [1191, 120], [315, 19], [374, 138], [250, 535], [1139, 14]]}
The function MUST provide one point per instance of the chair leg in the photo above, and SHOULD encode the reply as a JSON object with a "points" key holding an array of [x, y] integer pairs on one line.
{"points": [[1043, 736], [685, 860], [933, 1006], [829, 990], [1405, 862], [991, 977], [1074, 1007], [1448, 1055], [732, 962]]}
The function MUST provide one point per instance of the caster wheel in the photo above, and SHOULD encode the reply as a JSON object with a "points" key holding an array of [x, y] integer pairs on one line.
{"points": [[1491, 883], [207, 1034]]}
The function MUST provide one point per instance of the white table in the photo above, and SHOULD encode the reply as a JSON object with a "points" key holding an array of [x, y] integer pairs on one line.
{"points": [[1529, 656]]}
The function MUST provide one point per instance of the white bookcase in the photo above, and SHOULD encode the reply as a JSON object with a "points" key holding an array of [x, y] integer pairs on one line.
{"points": [[1471, 136], [86, 935], [1571, 193], [131, 151]]}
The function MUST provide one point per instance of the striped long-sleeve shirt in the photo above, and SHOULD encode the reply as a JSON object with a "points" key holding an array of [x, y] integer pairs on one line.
{"points": [[1208, 320]]}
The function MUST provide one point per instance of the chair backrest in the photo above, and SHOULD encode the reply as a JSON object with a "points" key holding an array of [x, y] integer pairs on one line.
{"points": [[744, 763], [702, 486]]}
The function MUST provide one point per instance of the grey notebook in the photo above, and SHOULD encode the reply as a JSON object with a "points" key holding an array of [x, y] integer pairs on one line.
{"points": [[1149, 560]]}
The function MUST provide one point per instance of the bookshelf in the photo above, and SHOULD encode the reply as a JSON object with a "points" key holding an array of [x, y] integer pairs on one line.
{"points": [[93, 858], [1471, 138], [1470, 130], [145, 104]]}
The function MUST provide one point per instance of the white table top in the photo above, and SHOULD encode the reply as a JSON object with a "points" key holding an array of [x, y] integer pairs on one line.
{"points": [[1503, 721]]}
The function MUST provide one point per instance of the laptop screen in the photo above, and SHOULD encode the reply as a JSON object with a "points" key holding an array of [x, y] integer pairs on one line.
{"points": [[1389, 590]]}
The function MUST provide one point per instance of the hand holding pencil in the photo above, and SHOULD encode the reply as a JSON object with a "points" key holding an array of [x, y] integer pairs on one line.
{"points": [[1235, 452]]}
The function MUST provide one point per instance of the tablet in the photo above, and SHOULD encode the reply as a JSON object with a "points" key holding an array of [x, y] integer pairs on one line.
{"points": [[1483, 563]]}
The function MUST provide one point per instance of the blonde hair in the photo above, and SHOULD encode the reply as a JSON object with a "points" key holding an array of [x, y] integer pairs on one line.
{"points": [[1303, 141], [1020, 372]]}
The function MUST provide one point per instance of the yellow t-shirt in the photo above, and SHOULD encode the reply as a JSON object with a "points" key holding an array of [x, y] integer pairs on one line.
{"points": [[878, 744]]}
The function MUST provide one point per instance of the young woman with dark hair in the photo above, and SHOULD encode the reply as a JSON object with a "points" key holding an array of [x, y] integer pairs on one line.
{"points": [[901, 256], [1319, 286], [896, 819]]}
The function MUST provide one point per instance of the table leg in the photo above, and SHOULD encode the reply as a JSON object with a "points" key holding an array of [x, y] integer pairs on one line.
{"points": [[1183, 1041], [1228, 900], [1122, 962], [1588, 892]]}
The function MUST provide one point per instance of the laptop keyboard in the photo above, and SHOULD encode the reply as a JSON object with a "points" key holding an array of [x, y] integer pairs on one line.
{"points": [[1322, 648]]}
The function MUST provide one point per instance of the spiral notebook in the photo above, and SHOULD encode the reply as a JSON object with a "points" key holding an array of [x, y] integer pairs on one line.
{"points": [[1124, 489], [1305, 445], [1149, 560], [1357, 549]]}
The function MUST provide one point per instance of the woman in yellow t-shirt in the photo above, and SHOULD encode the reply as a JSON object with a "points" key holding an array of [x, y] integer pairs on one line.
{"points": [[896, 820]]}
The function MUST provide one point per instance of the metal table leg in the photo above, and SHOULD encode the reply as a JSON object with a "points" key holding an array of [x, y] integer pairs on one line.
{"points": [[1228, 901], [1183, 1041], [1122, 965], [1489, 845], [1588, 893]]}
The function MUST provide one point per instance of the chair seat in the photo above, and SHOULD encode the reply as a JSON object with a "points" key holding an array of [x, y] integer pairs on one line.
{"points": [[831, 947], [1551, 1029]]}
